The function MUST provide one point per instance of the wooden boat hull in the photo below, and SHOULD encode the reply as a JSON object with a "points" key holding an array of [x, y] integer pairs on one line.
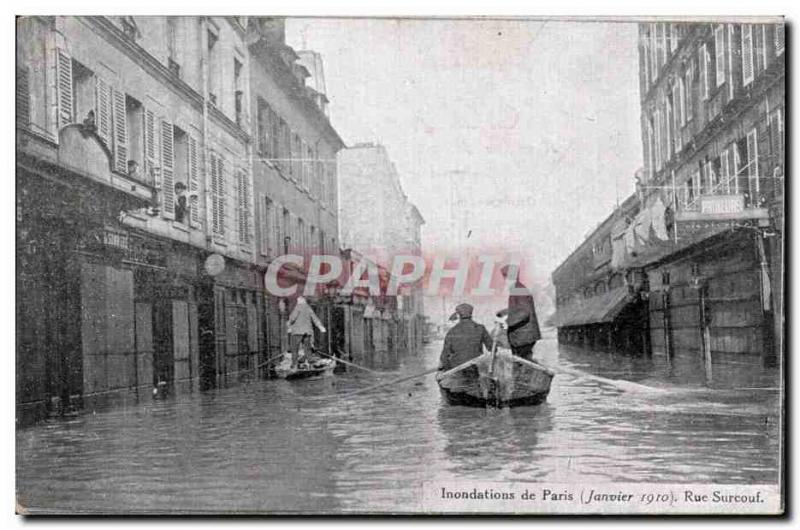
{"points": [[508, 381], [322, 368]]}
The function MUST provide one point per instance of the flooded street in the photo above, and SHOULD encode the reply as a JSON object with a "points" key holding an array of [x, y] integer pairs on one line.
{"points": [[283, 446]]}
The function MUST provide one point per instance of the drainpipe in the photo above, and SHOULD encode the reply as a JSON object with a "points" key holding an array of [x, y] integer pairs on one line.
{"points": [[206, 159]]}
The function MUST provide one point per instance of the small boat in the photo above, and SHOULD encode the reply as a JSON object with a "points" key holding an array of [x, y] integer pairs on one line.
{"points": [[314, 368], [496, 379]]}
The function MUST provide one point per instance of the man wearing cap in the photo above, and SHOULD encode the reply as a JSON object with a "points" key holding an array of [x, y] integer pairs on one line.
{"points": [[523, 327], [464, 341]]}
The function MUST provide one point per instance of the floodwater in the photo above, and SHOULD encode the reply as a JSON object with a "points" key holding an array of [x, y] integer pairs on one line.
{"points": [[278, 446]]}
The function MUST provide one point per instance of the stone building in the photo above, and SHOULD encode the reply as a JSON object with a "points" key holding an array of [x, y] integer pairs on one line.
{"points": [[142, 235], [294, 166], [707, 241], [369, 183]]}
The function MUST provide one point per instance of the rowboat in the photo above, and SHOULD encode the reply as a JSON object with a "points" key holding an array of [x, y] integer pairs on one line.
{"points": [[495, 379], [305, 370]]}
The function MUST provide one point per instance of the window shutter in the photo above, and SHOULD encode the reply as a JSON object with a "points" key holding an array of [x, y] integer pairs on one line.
{"points": [[243, 206], [23, 100], [780, 38], [747, 54], [64, 83], [103, 106], [167, 171], [194, 182], [719, 53], [219, 196], [215, 226], [149, 141], [654, 52], [120, 133], [776, 137]]}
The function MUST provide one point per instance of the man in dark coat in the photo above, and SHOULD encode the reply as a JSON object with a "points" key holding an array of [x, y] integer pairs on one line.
{"points": [[523, 327], [464, 341]]}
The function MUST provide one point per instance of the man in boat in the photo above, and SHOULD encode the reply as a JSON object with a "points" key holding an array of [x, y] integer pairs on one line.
{"points": [[301, 320], [465, 340], [523, 327]]}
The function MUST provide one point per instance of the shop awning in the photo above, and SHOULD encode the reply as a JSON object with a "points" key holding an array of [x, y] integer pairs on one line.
{"points": [[595, 310]]}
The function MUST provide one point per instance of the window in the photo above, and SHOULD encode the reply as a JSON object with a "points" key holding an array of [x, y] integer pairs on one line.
{"points": [[180, 144], [747, 54], [719, 53], [673, 41], [268, 232], [267, 130], [286, 231], [776, 137], [238, 92], [23, 98], [668, 121], [173, 59], [308, 169], [284, 152], [135, 117], [702, 61], [725, 171], [752, 163], [654, 51], [650, 154], [646, 56], [657, 120], [213, 67], [296, 155], [780, 38], [301, 236], [243, 206], [681, 100]]}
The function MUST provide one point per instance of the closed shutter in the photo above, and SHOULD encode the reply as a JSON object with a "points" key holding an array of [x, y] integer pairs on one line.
{"points": [[681, 98], [689, 94], [776, 137], [725, 171], [243, 204], [23, 100], [194, 182], [719, 53], [747, 54], [167, 171], [120, 133], [103, 106], [64, 83], [219, 196]]}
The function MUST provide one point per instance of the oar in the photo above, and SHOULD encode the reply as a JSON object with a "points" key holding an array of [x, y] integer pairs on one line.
{"points": [[269, 360], [379, 385], [621, 384], [339, 359]]}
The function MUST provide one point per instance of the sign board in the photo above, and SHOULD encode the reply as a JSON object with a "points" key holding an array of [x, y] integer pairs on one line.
{"points": [[721, 204]]}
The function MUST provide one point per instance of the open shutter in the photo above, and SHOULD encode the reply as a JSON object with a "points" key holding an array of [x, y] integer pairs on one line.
{"points": [[64, 84], [214, 192], [218, 185], [167, 171], [104, 111], [120, 133], [194, 182], [23, 100], [149, 140], [747, 54]]}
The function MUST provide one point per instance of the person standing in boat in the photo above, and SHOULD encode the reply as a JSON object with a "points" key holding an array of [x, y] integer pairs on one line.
{"points": [[523, 327], [465, 340], [300, 327]]}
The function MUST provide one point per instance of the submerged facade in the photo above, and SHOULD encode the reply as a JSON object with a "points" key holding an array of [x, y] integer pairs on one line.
{"points": [[705, 249]]}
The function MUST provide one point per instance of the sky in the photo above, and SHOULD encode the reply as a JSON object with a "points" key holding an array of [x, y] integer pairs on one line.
{"points": [[535, 123]]}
